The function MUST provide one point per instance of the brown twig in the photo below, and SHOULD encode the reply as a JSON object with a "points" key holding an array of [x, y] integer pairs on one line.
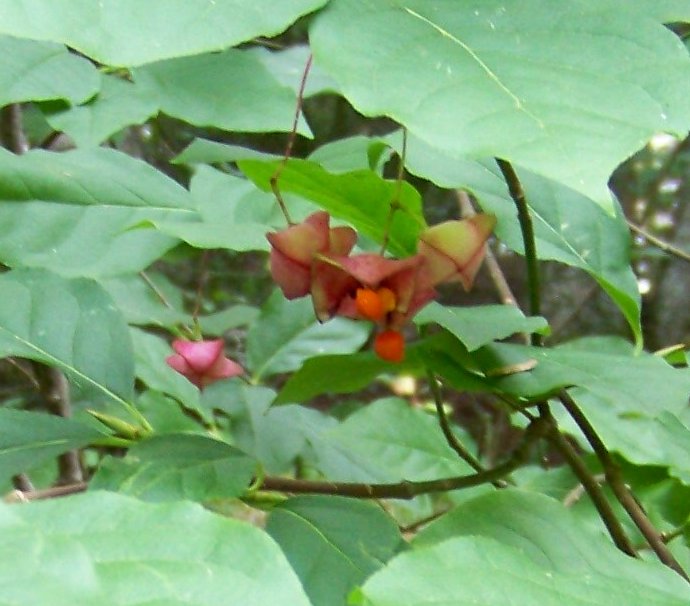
{"points": [[658, 242], [406, 489], [55, 393], [11, 129], [290, 143], [619, 488], [19, 496]]}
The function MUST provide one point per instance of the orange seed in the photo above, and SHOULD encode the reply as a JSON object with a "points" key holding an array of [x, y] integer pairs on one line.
{"points": [[389, 345]]}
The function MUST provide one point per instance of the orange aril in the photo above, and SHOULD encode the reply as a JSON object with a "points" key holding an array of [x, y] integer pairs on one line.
{"points": [[374, 304], [389, 345], [388, 300], [369, 304]]}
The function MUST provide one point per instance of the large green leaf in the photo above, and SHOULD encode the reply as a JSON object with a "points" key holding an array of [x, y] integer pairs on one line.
{"points": [[70, 324], [389, 441], [74, 212], [477, 326], [568, 227], [231, 90], [333, 543], [287, 333], [530, 522], [40, 71], [28, 439], [568, 91], [522, 549], [359, 197], [119, 103], [178, 466], [127, 32], [102, 549]]}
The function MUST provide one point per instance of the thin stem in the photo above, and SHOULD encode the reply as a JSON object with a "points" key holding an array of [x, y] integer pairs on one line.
{"points": [[659, 243], [203, 278], [587, 480], [290, 143], [157, 291], [395, 202], [444, 423], [19, 496], [409, 490], [594, 491], [529, 242], [620, 490]]}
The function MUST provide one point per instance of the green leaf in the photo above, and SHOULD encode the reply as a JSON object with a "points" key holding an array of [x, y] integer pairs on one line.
{"points": [[231, 90], [389, 441], [178, 466], [28, 439], [273, 436], [233, 214], [549, 537], [128, 33], [205, 151], [491, 79], [333, 543], [477, 326], [139, 304], [102, 549], [360, 197], [41, 71], [353, 153], [568, 227], [119, 103], [73, 212], [482, 572], [287, 66], [69, 324], [287, 333], [624, 380]]}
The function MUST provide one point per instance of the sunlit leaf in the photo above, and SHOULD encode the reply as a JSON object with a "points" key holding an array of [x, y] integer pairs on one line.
{"points": [[508, 80]]}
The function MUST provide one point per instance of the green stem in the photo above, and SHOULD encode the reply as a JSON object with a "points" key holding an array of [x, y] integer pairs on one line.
{"points": [[615, 480]]}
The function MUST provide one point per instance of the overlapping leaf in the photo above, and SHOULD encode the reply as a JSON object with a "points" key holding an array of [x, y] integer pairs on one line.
{"points": [[129, 33], [230, 90], [360, 197], [102, 549], [333, 543], [287, 333], [477, 326], [567, 91], [28, 439], [41, 71], [71, 324], [178, 466], [522, 549], [568, 227], [74, 212]]}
